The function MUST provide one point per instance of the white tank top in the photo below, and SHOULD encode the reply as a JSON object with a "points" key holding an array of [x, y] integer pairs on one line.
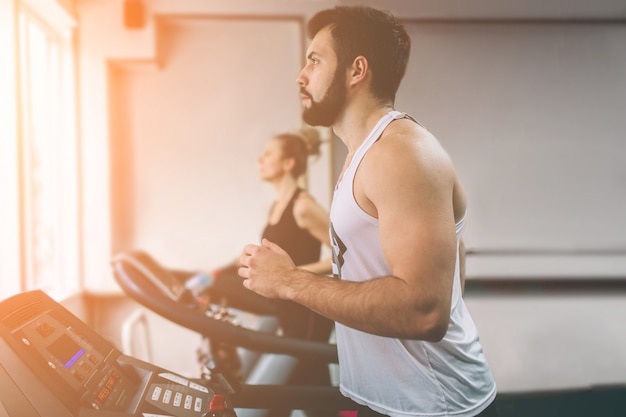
{"points": [[399, 377]]}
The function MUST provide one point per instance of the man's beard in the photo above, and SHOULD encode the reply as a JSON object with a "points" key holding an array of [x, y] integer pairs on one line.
{"points": [[325, 112]]}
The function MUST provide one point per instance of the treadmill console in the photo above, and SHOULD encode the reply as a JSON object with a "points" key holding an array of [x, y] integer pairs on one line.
{"points": [[52, 363]]}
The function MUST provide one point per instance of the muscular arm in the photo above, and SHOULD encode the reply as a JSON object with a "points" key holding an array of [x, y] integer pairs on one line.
{"points": [[407, 183]]}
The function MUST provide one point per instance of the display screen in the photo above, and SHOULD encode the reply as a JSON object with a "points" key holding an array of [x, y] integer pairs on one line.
{"points": [[66, 350]]}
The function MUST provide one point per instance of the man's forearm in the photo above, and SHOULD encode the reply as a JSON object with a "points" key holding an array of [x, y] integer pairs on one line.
{"points": [[398, 312]]}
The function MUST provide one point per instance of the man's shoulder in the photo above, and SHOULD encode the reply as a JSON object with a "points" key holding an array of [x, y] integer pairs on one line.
{"points": [[405, 137], [407, 151]]}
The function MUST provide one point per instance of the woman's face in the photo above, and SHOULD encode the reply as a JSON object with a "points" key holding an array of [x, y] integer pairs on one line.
{"points": [[272, 164]]}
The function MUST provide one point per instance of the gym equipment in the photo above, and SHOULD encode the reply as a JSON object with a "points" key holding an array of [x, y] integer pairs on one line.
{"points": [[163, 291], [144, 280], [53, 364]]}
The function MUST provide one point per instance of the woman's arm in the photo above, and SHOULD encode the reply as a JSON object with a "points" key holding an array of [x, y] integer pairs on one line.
{"points": [[312, 217]]}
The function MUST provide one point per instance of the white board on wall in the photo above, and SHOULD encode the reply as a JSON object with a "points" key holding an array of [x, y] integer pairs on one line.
{"points": [[533, 115]]}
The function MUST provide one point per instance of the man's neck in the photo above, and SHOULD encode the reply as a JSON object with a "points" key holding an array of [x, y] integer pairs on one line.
{"points": [[357, 122]]}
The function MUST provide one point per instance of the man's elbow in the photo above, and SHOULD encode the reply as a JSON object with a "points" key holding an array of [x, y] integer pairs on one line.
{"points": [[432, 328], [436, 333]]}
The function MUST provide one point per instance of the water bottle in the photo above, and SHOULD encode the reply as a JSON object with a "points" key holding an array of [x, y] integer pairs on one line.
{"points": [[198, 283]]}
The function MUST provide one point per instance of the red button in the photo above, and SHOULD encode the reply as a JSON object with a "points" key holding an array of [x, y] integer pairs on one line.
{"points": [[217, 403]]}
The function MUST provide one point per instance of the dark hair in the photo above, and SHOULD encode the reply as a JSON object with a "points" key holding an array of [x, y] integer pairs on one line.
{"points": [[375, 34], [299, 146]]}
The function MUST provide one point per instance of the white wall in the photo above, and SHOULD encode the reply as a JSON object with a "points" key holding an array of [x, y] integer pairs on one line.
{"points": [[533, 115], [530, 113], [536, 342], [189, 132]]}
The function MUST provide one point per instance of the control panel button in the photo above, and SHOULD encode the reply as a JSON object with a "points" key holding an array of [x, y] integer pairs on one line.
{"points": [[178, 398], [167, 396], [156, 393], [197, 406], [174, 378], [198, 387]]}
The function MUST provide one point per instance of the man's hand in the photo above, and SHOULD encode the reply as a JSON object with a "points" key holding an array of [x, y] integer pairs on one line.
{"points": [[266, 269]]}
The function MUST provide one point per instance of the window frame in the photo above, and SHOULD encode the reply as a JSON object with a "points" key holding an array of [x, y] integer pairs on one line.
{"points": [[41, 153]]}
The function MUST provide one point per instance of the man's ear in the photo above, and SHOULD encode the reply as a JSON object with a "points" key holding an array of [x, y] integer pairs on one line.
{"points": [[358, 70]]}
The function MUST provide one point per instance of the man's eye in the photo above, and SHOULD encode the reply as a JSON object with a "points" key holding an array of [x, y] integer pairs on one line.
{"points": [[315, 61]]}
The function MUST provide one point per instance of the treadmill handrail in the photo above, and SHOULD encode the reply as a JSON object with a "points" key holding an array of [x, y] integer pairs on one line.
{"points": [[197, 321]]}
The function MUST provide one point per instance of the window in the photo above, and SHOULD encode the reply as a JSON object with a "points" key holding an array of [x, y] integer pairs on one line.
{"points": [[46, 151]]}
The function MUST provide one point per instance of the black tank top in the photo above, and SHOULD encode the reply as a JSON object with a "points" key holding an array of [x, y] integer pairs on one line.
{"points": [[297, 242]]}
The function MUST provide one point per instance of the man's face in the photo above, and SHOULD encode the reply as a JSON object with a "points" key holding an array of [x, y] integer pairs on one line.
{"points": [[325, 111], [322, 82]]}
